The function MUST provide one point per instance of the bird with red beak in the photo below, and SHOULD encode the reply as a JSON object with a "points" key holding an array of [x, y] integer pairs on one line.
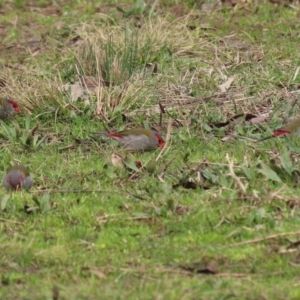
{"points": [[137, 139], [8, 108], [17, 177], [288, 129]]}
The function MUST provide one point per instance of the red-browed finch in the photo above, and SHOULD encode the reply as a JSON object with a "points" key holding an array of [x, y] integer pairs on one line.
{"points": [[288, 129], [8, 108], [138, 139], [17, 177]]}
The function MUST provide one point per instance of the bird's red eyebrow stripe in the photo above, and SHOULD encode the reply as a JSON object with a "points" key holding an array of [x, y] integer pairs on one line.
{"points": [[15, 105], [281, 132], [115, 135]]}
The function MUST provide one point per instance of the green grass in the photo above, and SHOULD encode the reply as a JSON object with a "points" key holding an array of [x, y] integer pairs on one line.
{"points": [[94, 231]]}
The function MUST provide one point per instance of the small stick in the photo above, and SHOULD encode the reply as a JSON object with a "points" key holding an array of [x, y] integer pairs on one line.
{"points": [[293, 105], [168, 137], [270, 237], [162, 111], [10, 221], [263, 139], [165, 111], [74, 191], [236, 178], [245, 137]]}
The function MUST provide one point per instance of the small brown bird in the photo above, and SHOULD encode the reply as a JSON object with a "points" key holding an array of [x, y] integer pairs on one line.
{"points": [[17, 177], [138, 139], [8, 108], [288, 129]]}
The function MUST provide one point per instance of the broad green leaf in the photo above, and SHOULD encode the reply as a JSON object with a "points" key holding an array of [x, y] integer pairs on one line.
{"points": [[130, 163], [269, 173], [250, 173], [4, 201], [45, 203], [286, 162]]}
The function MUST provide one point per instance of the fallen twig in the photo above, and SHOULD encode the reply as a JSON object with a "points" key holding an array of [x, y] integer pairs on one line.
{"points": [[239, 183], [270, 237], [10, 221]]}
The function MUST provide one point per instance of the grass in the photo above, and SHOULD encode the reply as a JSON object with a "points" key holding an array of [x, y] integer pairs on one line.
{"points": [[205, 219]]}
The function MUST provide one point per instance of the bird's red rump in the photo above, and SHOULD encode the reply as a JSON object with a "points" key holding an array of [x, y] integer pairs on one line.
{"points": [[280, 132], [113, 134]]}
